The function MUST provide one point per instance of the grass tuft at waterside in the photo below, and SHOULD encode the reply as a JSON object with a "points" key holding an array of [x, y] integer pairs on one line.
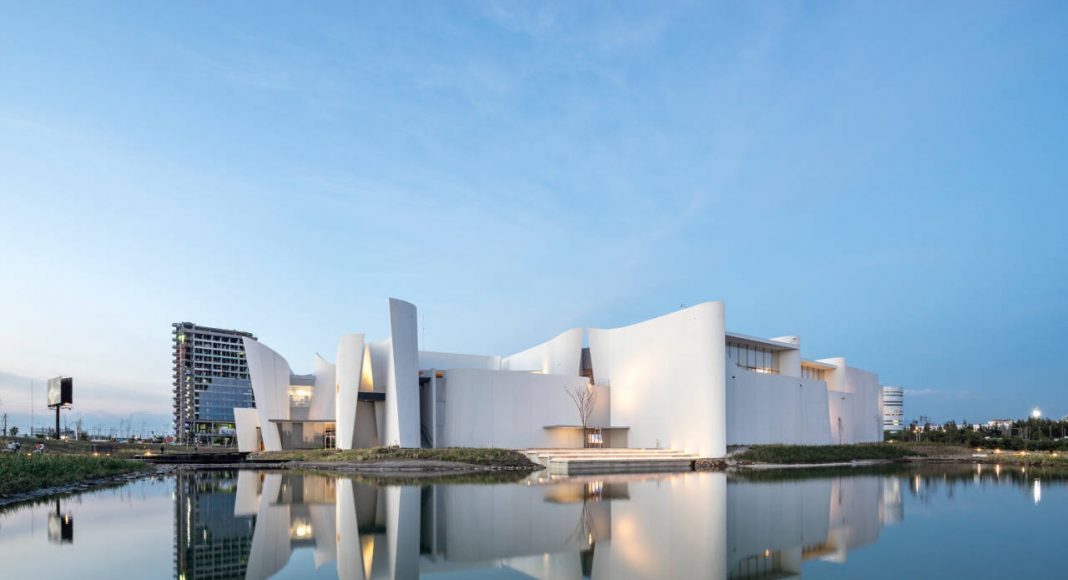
{"points": [[805, 454], [485, 456], [20, 472]]}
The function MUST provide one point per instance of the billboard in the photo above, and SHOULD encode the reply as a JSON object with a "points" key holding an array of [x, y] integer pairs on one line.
{"points": [[59, 391]]}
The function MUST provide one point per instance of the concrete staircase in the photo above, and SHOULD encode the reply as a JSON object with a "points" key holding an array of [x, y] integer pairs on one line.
{"points": [[602, 461]]}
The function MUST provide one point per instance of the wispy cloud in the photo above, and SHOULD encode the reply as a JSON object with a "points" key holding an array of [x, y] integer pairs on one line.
{"points": [[945, 395], [534, 19]]}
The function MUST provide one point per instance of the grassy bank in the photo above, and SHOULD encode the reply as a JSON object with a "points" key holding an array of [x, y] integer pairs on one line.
{"points": [[20, 473], [120, 450], [793, 454], [470, 455]]}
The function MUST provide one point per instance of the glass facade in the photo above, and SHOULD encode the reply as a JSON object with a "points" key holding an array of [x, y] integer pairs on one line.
{"points": [[753, 357], [300, 396], [222, 395], [305, 435], [813, 373]]}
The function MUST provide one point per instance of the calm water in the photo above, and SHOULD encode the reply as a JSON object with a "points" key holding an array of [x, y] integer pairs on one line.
{"points": [[957, 521]]}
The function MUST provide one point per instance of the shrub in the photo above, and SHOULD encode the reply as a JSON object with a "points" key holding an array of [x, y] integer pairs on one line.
{"points": [[823, 453]]}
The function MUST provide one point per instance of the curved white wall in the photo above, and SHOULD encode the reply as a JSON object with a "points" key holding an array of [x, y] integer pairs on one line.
{"points": [[668, 379], [269, 373], [347, 386], [324, 397], [402, 379], [379, 355], [245, 422], [560, 355]]}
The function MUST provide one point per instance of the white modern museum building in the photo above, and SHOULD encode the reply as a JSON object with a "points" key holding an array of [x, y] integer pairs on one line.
{"points": [[679, 381]]}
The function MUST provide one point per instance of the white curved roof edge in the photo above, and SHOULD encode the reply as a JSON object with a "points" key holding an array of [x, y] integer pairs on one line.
{"points": [[546, 343], [778, 345], [668, 315]]}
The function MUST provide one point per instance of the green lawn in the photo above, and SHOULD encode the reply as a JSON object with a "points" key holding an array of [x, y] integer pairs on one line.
{"points": [[20, 473], [823, 453], [472, 455]]}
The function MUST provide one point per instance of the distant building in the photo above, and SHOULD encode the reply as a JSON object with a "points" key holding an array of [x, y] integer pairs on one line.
{"points": [[50, 432], [999, 424], [893, 408], [210, 381]]}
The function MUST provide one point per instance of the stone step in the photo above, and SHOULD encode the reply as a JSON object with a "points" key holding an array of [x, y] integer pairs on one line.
{"points": [[611, 460], [606, 466], [606, 453], [601, 450], [548, 461], [615, 455], [545, 458]]}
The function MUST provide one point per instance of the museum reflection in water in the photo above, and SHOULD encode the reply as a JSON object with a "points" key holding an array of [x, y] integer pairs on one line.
{"points": [[250, 523]]}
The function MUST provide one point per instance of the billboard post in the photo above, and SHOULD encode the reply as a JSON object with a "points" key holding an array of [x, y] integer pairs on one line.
{"points": [[60, 395]]}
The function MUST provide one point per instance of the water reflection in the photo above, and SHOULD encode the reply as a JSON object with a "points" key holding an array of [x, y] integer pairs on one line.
{"points": [[262, 524], [212, 540], [696, 525], [60, 525]]}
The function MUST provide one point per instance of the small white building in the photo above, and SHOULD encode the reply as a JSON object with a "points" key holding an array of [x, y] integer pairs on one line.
{"points": [[679, 381]]}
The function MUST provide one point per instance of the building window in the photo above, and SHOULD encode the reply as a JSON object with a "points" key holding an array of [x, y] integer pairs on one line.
{"points": [[300, 396], [752, 357]]}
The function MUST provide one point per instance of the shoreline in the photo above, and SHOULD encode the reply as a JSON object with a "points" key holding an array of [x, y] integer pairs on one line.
{"points": [[413, 471], [856, 463], [385, 470], [75, 487]]}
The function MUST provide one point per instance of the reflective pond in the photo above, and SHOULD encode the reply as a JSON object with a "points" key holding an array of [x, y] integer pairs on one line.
{"points": [[948, 521]]}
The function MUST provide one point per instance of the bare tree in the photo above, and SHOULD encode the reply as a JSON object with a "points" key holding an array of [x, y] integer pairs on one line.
{"points": [[584, 397], [78, 426]]}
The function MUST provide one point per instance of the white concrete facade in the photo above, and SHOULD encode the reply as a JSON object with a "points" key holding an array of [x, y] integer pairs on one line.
{"points": [[347, 386], [667, 381], [678, 381]]}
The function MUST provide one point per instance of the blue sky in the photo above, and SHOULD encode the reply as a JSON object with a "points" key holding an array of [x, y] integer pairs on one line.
{"points": [[886, 180]]}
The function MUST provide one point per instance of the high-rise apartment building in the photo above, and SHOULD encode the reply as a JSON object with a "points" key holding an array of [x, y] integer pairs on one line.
{"points": [[210, 381]]}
